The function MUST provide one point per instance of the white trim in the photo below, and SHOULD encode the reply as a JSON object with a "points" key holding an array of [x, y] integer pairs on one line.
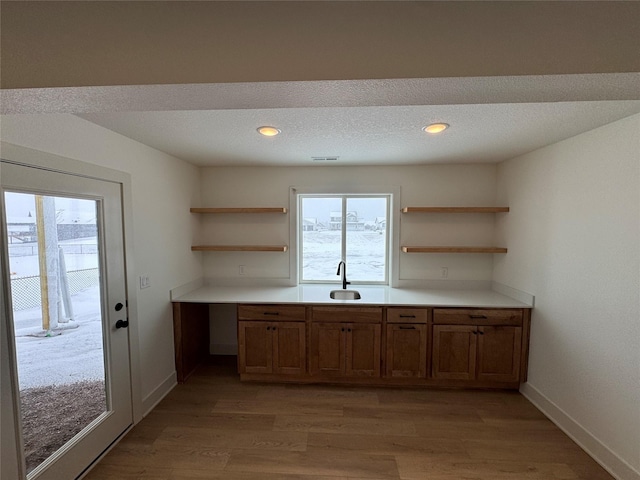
{"points": [[602, 454], [157, 395], [47, 161], [12, 463], [393, 227]]}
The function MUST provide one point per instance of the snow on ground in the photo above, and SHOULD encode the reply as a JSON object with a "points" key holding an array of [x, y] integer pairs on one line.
{"points": [[68, 355], [365, 255], [74, 355]]}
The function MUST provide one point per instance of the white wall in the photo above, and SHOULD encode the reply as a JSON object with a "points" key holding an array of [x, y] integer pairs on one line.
{"points": [[574, 242], [163, 189], [445, 185]]}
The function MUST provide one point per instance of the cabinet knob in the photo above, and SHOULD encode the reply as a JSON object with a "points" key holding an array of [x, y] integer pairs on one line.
{"points": [[268, 328]]}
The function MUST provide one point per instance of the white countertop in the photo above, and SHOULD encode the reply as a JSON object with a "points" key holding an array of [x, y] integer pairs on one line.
{"points": [[371, 295]]}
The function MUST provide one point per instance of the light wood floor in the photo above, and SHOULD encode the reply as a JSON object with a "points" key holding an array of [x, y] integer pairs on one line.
{"points": [[214, 427]]}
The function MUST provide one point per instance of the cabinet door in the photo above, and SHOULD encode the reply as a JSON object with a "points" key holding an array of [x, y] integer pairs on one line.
{"points": [[328, 349], [289, 355], [255, 347], [499, 353], [363, 350], [454, 352], [406, 350]]}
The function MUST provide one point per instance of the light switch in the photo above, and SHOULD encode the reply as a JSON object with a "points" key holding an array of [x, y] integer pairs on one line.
{"points": [[145, 282]]}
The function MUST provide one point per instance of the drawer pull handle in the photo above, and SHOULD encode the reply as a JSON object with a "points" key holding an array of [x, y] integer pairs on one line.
{"points": [[407, 316], [407, 327], [481, 333], [478, 316], [271, 313]]}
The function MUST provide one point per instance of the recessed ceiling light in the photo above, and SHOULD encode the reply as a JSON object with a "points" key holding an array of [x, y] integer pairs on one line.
{"points": [[436, 128], [268, 131]]}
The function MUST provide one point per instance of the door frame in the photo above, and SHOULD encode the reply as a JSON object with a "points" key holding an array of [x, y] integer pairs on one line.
{"points": [[46, 161]]}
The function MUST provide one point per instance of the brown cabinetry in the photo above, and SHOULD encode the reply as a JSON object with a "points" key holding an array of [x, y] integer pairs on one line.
{"points": [[271, 347], [345, 342], [484, 346], [406, 342], [366, 345]]}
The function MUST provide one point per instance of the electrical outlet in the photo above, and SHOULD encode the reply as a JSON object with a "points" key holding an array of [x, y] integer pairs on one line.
{"points": [[240, 269], [444, 272]]}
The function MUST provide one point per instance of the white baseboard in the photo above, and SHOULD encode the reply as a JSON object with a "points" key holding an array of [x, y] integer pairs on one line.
{"points": [[611, 462], [161, 391]]}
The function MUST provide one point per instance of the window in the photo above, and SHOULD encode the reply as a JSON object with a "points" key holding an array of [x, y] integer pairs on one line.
{"points": [[346, 227]]}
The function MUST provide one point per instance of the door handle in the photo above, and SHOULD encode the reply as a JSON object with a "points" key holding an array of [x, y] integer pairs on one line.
{"points": [[122, 323]]}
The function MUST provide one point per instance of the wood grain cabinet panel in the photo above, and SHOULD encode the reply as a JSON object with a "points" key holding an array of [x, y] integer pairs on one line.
{"points": [[328, 349], [347, 314], [469, 316], [345, 349], [406, 352], [280, 313], [454, 352], [272, 347], [366, 345], [499, 350], [363, 350], [483, 345], [255, 348]]}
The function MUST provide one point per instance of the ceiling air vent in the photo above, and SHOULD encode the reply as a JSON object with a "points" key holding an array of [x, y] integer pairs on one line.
{"points": [[324, 159]]}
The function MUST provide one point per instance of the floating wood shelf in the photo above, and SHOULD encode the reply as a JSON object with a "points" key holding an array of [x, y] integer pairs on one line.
{"points": [[239, 248], [240, 210], [455, 209], [454, 250]]}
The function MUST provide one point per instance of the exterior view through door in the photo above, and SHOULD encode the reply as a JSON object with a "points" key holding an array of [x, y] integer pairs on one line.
{"points": [[67, 326]]}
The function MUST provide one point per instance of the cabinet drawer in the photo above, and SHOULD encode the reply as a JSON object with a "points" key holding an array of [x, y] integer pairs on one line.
{"points": [[467, 316], [347, 314], [407, 315], [271, 312]]}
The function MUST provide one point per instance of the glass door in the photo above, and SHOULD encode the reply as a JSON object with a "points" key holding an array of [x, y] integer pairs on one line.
{"points": [[67, 325]]}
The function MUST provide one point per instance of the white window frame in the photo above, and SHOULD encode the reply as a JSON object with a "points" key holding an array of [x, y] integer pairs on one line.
{"points": [[392, 231]]}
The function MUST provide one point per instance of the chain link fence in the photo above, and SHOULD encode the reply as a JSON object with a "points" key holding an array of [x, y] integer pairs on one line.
{"points": [[72, 249], [25, 291]]}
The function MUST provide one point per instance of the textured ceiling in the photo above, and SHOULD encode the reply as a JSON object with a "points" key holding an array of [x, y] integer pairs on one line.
{"points": [[363, 122], [374, 135]]}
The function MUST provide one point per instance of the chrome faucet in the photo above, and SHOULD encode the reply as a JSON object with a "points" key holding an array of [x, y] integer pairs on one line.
{"points": [[344, 274]]}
